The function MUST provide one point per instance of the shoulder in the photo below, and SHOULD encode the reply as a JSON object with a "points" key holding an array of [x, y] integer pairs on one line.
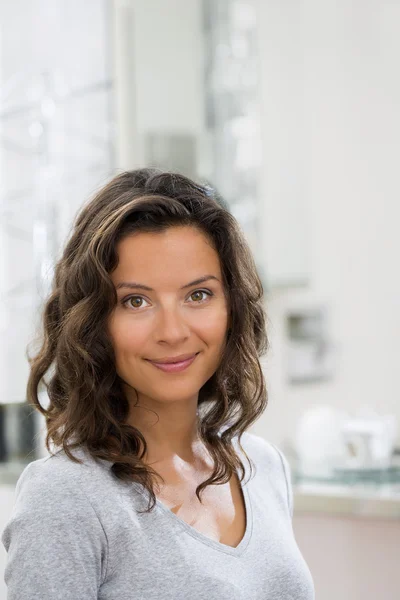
{"points": [[271, 464], [262, 450], [56, 494], [58, 469], [56, 480]]}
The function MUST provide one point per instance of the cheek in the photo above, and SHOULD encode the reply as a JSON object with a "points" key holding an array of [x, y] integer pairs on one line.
{"points": [[213, 325], [125, 337]]}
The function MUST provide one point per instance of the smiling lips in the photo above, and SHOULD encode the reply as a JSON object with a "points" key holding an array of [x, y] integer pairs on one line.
{"points": [[173, 359], [175, 367]]}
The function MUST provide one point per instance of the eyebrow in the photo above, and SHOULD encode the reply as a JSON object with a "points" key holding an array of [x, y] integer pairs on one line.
{"points": [[141, 286]]}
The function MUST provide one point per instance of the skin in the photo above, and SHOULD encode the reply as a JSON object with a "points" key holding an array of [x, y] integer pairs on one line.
{"points": [[167, 322]]}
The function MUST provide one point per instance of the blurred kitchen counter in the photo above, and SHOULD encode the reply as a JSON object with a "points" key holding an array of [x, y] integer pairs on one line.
{"points": [[373, 495], [359, 500]]}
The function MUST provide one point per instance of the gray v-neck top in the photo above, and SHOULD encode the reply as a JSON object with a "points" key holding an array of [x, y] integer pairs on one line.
{"points": [[75, 534]]}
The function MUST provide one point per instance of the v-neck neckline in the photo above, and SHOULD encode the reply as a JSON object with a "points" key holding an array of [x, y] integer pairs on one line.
{"points": [[183, 525], [235, 551]]}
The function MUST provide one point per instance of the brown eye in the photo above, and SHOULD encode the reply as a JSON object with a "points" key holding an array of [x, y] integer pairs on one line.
{"points": [[196, 294], [198, 300], [135, 300]]}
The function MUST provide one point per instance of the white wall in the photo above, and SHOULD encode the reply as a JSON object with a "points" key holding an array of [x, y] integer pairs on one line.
{"points": [[345, 57]]}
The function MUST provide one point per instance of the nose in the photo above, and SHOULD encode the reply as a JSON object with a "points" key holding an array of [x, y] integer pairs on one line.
{"points": [[171, 326]]}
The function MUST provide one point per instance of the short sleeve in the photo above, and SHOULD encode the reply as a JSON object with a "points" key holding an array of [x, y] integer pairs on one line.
{"points": [[56, 546], [288, 478]]}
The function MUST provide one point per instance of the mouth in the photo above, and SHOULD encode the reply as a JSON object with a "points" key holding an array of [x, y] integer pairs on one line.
{"points": [[177, 366], [173, 359]]}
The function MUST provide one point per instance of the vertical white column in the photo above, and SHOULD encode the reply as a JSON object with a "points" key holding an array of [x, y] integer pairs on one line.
{"points": [[128, 153]]}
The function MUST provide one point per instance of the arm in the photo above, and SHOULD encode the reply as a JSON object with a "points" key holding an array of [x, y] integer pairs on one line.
{"points": [[56, 545]]}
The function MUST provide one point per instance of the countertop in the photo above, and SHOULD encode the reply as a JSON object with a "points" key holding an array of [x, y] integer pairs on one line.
{"points": [[358, 493], [359, 501]]}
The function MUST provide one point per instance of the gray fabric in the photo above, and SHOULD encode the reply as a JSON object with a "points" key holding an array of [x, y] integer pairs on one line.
{"points": [[74, 534]]}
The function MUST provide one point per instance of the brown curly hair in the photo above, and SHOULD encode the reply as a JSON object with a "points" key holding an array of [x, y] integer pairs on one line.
{"points": [[87, 406]]}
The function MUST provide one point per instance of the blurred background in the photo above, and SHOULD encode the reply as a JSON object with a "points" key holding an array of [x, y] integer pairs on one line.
{"points": [[290, 109]]}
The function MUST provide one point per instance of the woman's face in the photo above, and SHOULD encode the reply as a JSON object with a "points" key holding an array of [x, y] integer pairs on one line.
{"points": [[171, 319]]}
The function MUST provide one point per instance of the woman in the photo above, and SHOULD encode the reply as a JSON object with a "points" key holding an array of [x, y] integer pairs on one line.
{"points": [[152, 338]]}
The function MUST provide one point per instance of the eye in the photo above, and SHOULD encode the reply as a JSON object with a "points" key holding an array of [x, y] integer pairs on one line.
{"points": [[201, 292], [125, 302], [141, 299]]}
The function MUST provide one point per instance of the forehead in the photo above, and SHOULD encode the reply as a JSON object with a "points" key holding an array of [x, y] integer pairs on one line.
{"points": [[172, 255]]}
